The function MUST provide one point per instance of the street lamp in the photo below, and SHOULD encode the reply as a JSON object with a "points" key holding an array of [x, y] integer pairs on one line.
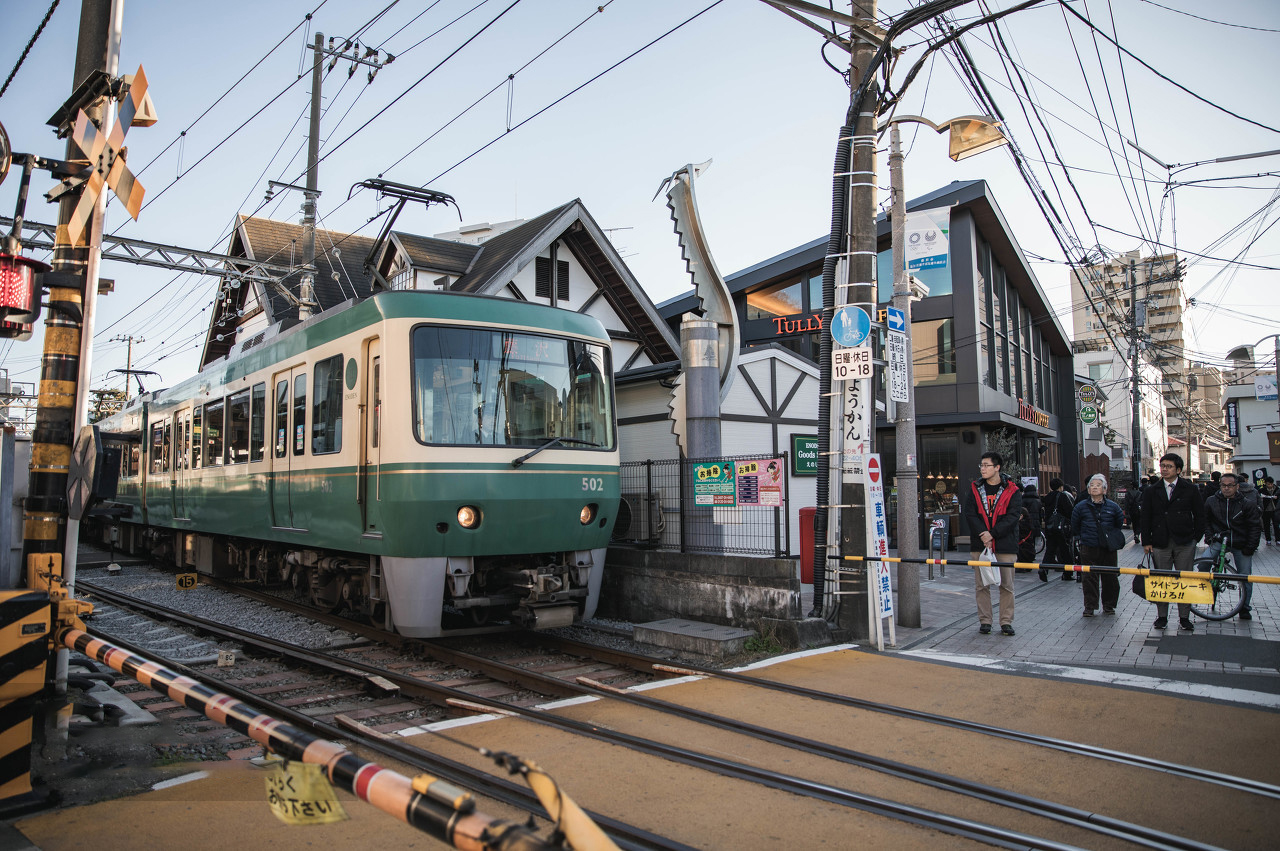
{"points": [[970, 134]]}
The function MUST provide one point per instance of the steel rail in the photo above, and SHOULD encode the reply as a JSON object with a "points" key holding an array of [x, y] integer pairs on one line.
{"points": [[1051, 810], [492, 786], [1241, 784]]}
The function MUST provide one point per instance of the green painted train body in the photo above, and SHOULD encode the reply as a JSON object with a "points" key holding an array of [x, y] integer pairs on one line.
{"points": [[349, 454]]}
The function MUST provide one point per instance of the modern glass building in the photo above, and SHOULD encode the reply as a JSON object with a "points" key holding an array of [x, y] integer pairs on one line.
{"points": [[993, 365]]}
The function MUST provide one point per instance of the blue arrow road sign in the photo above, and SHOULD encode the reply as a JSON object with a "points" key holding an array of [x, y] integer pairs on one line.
{"points": [[850, 326], [897, 320]]}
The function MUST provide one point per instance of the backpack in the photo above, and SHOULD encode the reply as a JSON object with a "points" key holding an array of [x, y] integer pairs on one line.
{"points": [[1056, 521]]}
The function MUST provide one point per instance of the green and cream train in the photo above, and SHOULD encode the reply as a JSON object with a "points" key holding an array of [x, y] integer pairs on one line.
{"points": [[432, 460]]}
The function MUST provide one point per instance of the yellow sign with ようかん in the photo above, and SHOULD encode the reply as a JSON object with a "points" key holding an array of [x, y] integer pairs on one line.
{"points": [[1171, 589], [299, 793]]}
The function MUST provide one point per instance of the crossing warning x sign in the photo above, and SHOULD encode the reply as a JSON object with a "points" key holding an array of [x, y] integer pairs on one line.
{"points": [[107, 156]]}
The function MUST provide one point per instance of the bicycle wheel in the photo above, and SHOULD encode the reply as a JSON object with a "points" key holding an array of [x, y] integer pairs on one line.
{"points": [[1039, 545], [1228, 594]]}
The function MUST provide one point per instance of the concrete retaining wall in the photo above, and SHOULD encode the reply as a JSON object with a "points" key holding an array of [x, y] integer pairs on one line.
{"points": [[645, 585]]}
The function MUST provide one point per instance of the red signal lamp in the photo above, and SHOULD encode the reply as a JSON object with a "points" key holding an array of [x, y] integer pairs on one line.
{"points": [[19, 294]]}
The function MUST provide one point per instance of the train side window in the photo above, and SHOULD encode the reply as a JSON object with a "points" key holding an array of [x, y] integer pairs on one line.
{"points": [[300, 414], [197, 437], [282, 418], [326, 406], [213, 433], [157, 447], [238, 428], [377, 400], [258, 422], [164, 454]]}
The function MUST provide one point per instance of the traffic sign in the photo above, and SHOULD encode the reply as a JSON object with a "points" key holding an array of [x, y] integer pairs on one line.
{"points": [[895, 319], [1087, 394], [1088, 415], [850, 326], [852, 363]]}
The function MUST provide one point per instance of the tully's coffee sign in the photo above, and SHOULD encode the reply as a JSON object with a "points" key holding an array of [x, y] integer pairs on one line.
{"points": [[796, 324], [804, 455], [1032, 414], [1273, 446]]}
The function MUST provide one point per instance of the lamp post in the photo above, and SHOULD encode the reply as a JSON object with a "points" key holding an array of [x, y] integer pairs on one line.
{"points": [[970, 134]]}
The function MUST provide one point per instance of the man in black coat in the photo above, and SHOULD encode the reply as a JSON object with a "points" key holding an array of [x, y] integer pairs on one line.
{"points": [[1057, 527], [1172, 522], [991, 509], [1238, 523]]}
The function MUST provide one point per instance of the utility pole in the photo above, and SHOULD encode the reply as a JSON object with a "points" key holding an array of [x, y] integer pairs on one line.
{"points": [[306, 293], [860, 288], [1135, 385], [128, 363], [908, 476], [307, 289]]}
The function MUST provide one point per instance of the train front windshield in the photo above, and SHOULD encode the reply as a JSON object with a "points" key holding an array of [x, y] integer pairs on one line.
{"points": [[479, 387]]}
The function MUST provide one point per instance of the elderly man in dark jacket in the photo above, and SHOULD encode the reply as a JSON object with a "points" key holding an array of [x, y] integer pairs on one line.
{"points": [[1238, 522], [1172, 522], [991, 509]]}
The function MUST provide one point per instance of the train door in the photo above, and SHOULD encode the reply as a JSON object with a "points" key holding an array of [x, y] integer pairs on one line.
{"points": [[180, 466], [371, 425], [288, 443]]}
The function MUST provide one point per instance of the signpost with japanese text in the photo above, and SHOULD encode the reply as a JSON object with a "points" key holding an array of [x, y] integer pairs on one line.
{"points": [[881, 578]]}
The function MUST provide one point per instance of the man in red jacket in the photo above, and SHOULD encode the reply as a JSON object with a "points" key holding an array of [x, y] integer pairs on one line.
{"points": [[991, 509]]}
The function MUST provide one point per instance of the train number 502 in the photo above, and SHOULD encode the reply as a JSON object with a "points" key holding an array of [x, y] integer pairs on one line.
{"points": [[592, 483]]}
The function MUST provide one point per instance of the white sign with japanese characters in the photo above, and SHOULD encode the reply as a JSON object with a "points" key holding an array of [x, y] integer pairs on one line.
{"points": [[899, 385], [850, 363]]}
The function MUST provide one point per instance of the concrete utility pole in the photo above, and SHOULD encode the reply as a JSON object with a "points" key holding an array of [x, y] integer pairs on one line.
{"points": [[1135, 384], [860, 280], [908, 477], [128, 361], [307, 292]]}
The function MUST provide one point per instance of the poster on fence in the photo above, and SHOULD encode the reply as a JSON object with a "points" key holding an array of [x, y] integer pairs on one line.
{"points": [[713, 484], [760, 482]]}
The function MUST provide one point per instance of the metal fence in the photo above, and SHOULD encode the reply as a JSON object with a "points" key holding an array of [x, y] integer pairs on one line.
{"points": [[668, 505]]}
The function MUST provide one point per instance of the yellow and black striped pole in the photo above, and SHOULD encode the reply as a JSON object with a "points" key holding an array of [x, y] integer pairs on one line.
{"points": [[25, 630]]}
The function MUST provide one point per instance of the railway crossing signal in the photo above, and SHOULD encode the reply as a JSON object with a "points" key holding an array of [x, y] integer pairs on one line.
{"points": [[107, 157]]}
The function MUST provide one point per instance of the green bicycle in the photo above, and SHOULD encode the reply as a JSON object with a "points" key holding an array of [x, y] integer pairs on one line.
{"points": [[1228, 594]]}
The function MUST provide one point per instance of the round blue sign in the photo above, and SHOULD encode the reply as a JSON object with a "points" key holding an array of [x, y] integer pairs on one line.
{"points": [[850, 326]]}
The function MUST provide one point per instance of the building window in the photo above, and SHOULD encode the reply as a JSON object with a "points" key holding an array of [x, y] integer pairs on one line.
{"points": [[542, 279], [781, 299], [940, 473], [933, 352]]}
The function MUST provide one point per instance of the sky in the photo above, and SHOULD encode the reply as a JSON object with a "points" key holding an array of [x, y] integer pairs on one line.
{"points": [[740, 84]]}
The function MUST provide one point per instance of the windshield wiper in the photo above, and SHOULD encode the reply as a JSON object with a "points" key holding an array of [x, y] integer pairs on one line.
{"points": [[550, 443]]}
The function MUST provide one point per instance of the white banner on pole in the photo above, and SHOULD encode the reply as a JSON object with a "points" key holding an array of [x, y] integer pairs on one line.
{"points": [[927, 238], [878, 572], [859, 422]]}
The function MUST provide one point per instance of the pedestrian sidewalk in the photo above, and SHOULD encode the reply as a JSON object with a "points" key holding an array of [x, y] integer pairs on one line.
{"points": [[1051, 629]]}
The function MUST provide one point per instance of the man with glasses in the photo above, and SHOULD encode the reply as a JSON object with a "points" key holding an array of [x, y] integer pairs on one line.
{"points": [[991, 510], [1239, 522], [1172, 522]]}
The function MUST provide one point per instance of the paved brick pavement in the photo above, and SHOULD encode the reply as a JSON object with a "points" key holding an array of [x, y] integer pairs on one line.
{"points": [[1051, 629]]}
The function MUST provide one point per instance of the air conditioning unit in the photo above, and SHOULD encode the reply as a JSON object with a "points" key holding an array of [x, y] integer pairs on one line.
{"points": [[1094, 433], [640, 518]]}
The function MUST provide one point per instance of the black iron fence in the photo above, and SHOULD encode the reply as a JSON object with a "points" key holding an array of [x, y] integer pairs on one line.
{"points": [[707, 505]]}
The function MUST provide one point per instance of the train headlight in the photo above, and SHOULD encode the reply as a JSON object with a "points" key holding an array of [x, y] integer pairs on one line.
{"points": [[468, 517], [587, 514]]}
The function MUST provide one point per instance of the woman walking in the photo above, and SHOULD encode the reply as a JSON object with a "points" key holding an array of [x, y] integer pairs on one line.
{"points": [[1090, 520]]}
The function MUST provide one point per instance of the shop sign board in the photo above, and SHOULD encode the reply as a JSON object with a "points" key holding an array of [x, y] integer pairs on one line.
{"points": [[759, 482], [1088, 414], [804, 455]]}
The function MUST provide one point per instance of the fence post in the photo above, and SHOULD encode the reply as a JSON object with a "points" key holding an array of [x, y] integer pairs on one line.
{"points": [[680, 465], [785, 508], [648, 502]]}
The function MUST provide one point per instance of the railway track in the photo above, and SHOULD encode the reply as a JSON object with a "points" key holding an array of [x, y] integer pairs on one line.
{"points": [[369, 663]]}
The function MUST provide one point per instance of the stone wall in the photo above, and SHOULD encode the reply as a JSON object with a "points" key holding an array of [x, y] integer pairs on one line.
{"points": [[646, 585]]}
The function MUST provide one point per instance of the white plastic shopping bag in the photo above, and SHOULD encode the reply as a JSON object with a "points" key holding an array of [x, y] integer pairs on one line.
{"points": [[988, 574]]}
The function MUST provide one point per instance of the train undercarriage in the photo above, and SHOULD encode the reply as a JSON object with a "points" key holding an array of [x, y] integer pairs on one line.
{"points": [[420, 597]]}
